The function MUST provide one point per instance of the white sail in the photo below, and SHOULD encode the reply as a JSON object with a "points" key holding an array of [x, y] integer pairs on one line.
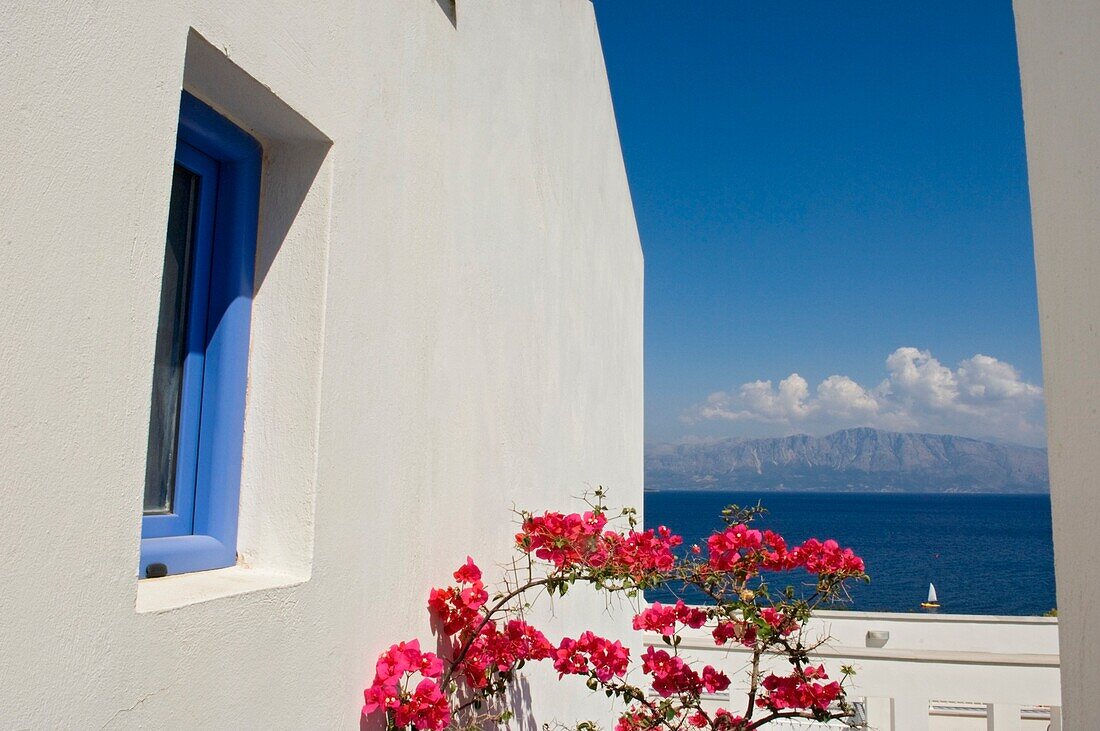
{"points": [[932, 594]]}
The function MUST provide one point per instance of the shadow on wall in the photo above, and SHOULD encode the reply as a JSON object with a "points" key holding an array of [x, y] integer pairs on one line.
{"points": [[376, 722], [449, 9], [295, 167], [520, 705], [294, 149]]}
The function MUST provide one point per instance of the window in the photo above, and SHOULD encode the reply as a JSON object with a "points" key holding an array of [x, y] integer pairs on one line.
{"points": [[196, 423]]}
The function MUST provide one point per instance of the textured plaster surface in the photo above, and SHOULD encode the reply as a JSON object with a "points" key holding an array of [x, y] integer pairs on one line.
{"points": [[1059, 47], [451, 327]]}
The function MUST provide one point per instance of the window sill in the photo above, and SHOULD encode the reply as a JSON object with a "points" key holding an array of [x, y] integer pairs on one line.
{"points": [[173, 592], [186, 554]]}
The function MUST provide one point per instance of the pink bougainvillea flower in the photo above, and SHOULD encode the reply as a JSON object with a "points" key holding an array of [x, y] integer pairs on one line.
{"points": [[828, 557], [670, 673], [640, 555], [729, 547], [568, 659], [797, 691], [714, 681], [637, 719], [430, 665], [726, 721], [468, 572], [743, 632], [609, 659], [488, 644], [458, 609], [501, 651], [777, 620], [579, 540], [656, 618], [396, 661], [426, 708], [564, 540], [590, 653], [662, 619], [380, 698]]}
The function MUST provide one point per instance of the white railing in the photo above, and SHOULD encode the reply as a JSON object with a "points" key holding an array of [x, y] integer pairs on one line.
{"points": [[924, 672]]}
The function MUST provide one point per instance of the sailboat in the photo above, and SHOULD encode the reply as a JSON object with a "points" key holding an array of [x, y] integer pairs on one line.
{"points": [[933, 601]]}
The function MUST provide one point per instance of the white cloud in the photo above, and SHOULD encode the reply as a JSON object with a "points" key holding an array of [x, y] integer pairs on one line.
{"points": [[842, 396], [920, 380], [759, 401], [982, 397], [986, 378]]}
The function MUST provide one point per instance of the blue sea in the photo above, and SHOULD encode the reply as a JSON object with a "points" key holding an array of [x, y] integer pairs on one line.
{"points": [[986, 554]]}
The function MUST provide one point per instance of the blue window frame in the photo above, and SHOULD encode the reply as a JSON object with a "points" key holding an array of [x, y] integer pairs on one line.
{"points": [[193, 464]]}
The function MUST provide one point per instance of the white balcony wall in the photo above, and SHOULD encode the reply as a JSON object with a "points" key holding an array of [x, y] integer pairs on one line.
{"points": [[956, 632], [935, 672]]}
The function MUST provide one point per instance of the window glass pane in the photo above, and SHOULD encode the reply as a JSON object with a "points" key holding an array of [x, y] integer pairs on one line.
{"points": [[171, 349]]}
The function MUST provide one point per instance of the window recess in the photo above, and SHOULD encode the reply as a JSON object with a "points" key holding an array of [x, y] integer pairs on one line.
{"points": [[200, 371]]}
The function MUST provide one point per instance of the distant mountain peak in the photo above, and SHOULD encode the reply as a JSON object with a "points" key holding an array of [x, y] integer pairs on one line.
{"points": [[856, 459]]}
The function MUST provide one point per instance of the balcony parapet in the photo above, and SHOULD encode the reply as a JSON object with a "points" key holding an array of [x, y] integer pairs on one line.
{"points": [[922, 672]]}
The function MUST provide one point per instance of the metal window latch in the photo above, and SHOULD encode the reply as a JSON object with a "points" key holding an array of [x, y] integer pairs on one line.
{"points": [[156, 570]]}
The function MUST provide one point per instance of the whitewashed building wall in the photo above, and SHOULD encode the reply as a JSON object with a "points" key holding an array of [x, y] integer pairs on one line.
{"points": [[1059, 48], [447, 324]]}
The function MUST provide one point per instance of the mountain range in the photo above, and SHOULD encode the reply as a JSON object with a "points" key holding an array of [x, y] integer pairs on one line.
{"points": [[851, 460]]}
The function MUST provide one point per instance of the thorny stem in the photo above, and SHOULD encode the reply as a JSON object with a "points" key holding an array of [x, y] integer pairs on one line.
{"points": [[754, 679], [792, 714], [501, 603]]}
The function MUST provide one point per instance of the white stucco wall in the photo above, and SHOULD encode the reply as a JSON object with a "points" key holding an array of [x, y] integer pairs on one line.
{"points": [[938, 632], [1059, 47], [447, 323]]}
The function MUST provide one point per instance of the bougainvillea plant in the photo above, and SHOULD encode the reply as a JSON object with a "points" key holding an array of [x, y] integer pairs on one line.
{"points": [[485, 641]]}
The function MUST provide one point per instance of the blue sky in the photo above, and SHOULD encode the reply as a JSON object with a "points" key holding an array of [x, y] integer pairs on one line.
{"points": [[829, 189]]}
